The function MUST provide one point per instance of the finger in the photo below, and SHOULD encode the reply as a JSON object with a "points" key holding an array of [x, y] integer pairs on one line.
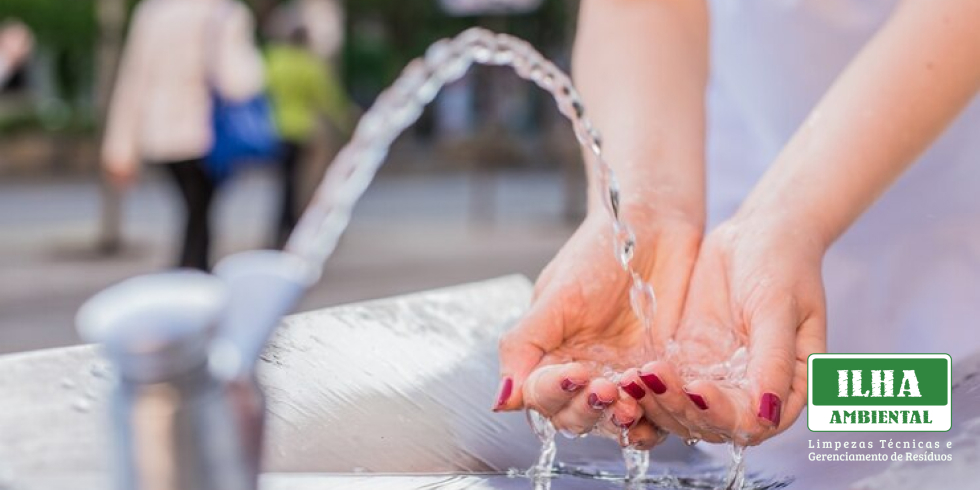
{"points": [[521, 349], [645, 435], [685, 407], [729, 409], [548, 389], [772, 361], [623, 415], [633, 385], [588, 407], [811, 339]]}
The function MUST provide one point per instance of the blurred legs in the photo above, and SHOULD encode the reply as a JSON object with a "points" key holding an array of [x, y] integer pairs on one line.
{"points": [[197, 189], [290, 169]]}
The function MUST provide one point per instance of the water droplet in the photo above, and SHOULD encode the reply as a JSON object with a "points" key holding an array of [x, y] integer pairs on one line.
{"points": [[690, 441], [614, 202], [481, 50], [624, 244], [100, 370], [454, 69], [596, 138], [81, 405], [439, 52], [643, 301]]}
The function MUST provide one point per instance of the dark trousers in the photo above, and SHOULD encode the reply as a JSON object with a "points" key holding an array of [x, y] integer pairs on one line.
{"points": [[291, 152], [197, 190]]}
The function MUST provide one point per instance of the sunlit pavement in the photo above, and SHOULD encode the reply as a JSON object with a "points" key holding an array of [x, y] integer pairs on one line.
{"points": [[410, 232]]}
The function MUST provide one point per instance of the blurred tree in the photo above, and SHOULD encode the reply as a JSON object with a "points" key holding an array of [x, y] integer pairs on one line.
{"points": [[65, 33], [384, 35]]}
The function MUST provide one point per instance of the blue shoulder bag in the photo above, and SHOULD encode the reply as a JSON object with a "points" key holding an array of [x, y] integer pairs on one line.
{"points": [[243, 131]]}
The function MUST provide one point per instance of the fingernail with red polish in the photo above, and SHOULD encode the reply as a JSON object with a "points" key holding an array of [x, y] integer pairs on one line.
{"points": [[769, 408], [503, 393], [698, 400], [597, 403], [623, 425], [634, 390], [571, 386], [654, 382]]}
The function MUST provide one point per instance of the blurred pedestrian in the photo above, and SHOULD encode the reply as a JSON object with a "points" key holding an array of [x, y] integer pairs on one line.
{"points": [[177, 53], [16, 43], [302, 87]]}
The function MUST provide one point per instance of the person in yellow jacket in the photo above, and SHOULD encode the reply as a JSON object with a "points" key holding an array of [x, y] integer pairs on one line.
{"points": [[302, 87]]}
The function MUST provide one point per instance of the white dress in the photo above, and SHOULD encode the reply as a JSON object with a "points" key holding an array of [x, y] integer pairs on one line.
{"points": [[906, 276]]}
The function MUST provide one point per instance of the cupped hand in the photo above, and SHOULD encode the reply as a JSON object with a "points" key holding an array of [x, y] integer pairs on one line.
{"points": [[580, 326], [755, 311]]}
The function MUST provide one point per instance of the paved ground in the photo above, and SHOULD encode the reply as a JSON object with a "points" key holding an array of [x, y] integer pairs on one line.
{"points": [[410, 232]]}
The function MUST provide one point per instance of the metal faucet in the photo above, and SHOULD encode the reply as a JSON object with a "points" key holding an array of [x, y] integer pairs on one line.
{"points": [[187, 411]]}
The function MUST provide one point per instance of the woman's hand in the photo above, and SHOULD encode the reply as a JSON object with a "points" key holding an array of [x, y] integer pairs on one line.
{"points": [[120, 174], [580, 325], [757, 283]]}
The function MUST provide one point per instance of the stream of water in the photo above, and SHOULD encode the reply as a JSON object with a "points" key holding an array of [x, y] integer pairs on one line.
{"points": [[400, 105]]}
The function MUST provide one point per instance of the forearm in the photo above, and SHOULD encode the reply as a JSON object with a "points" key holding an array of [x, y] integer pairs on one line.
{"points": [[122, 125], [642, 68], [894, 99]]}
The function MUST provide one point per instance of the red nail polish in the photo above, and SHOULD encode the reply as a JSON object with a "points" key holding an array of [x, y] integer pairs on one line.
{"points": [[597, 403], [769, 408], [503, 393], [571, 386], [654, 382], [698, 400], [626, 424], [634, 390]]}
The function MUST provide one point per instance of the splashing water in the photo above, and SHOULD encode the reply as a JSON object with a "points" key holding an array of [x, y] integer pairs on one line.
{"points": [[699, 362], [545, 430], [355, 166], [637, 460], [736, 470]]}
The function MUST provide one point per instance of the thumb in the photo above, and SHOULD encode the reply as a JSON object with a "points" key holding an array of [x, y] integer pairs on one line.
{"points": [[538, 332], [772, 361]]}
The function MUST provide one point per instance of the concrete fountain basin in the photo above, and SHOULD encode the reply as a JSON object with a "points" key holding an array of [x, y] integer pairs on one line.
{"points": [[392, 393]]}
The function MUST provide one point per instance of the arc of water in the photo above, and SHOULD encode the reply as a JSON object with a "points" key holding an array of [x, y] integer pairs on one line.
{"points": [[399, 106]]}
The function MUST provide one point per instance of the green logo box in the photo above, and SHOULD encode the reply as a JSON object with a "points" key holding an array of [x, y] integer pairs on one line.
{"points": [[930, 379], [879, 392]]}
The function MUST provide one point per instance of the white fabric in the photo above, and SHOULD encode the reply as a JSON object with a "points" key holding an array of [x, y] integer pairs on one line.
{"points": [[161, 108], [906, 277]]}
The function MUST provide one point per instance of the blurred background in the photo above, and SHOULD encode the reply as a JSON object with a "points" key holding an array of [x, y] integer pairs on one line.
{"points": [[488, 182]]}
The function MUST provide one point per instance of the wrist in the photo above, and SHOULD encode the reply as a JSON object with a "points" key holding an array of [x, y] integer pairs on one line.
{"points": [[784, 228], [653, 199], [656, 225]]}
